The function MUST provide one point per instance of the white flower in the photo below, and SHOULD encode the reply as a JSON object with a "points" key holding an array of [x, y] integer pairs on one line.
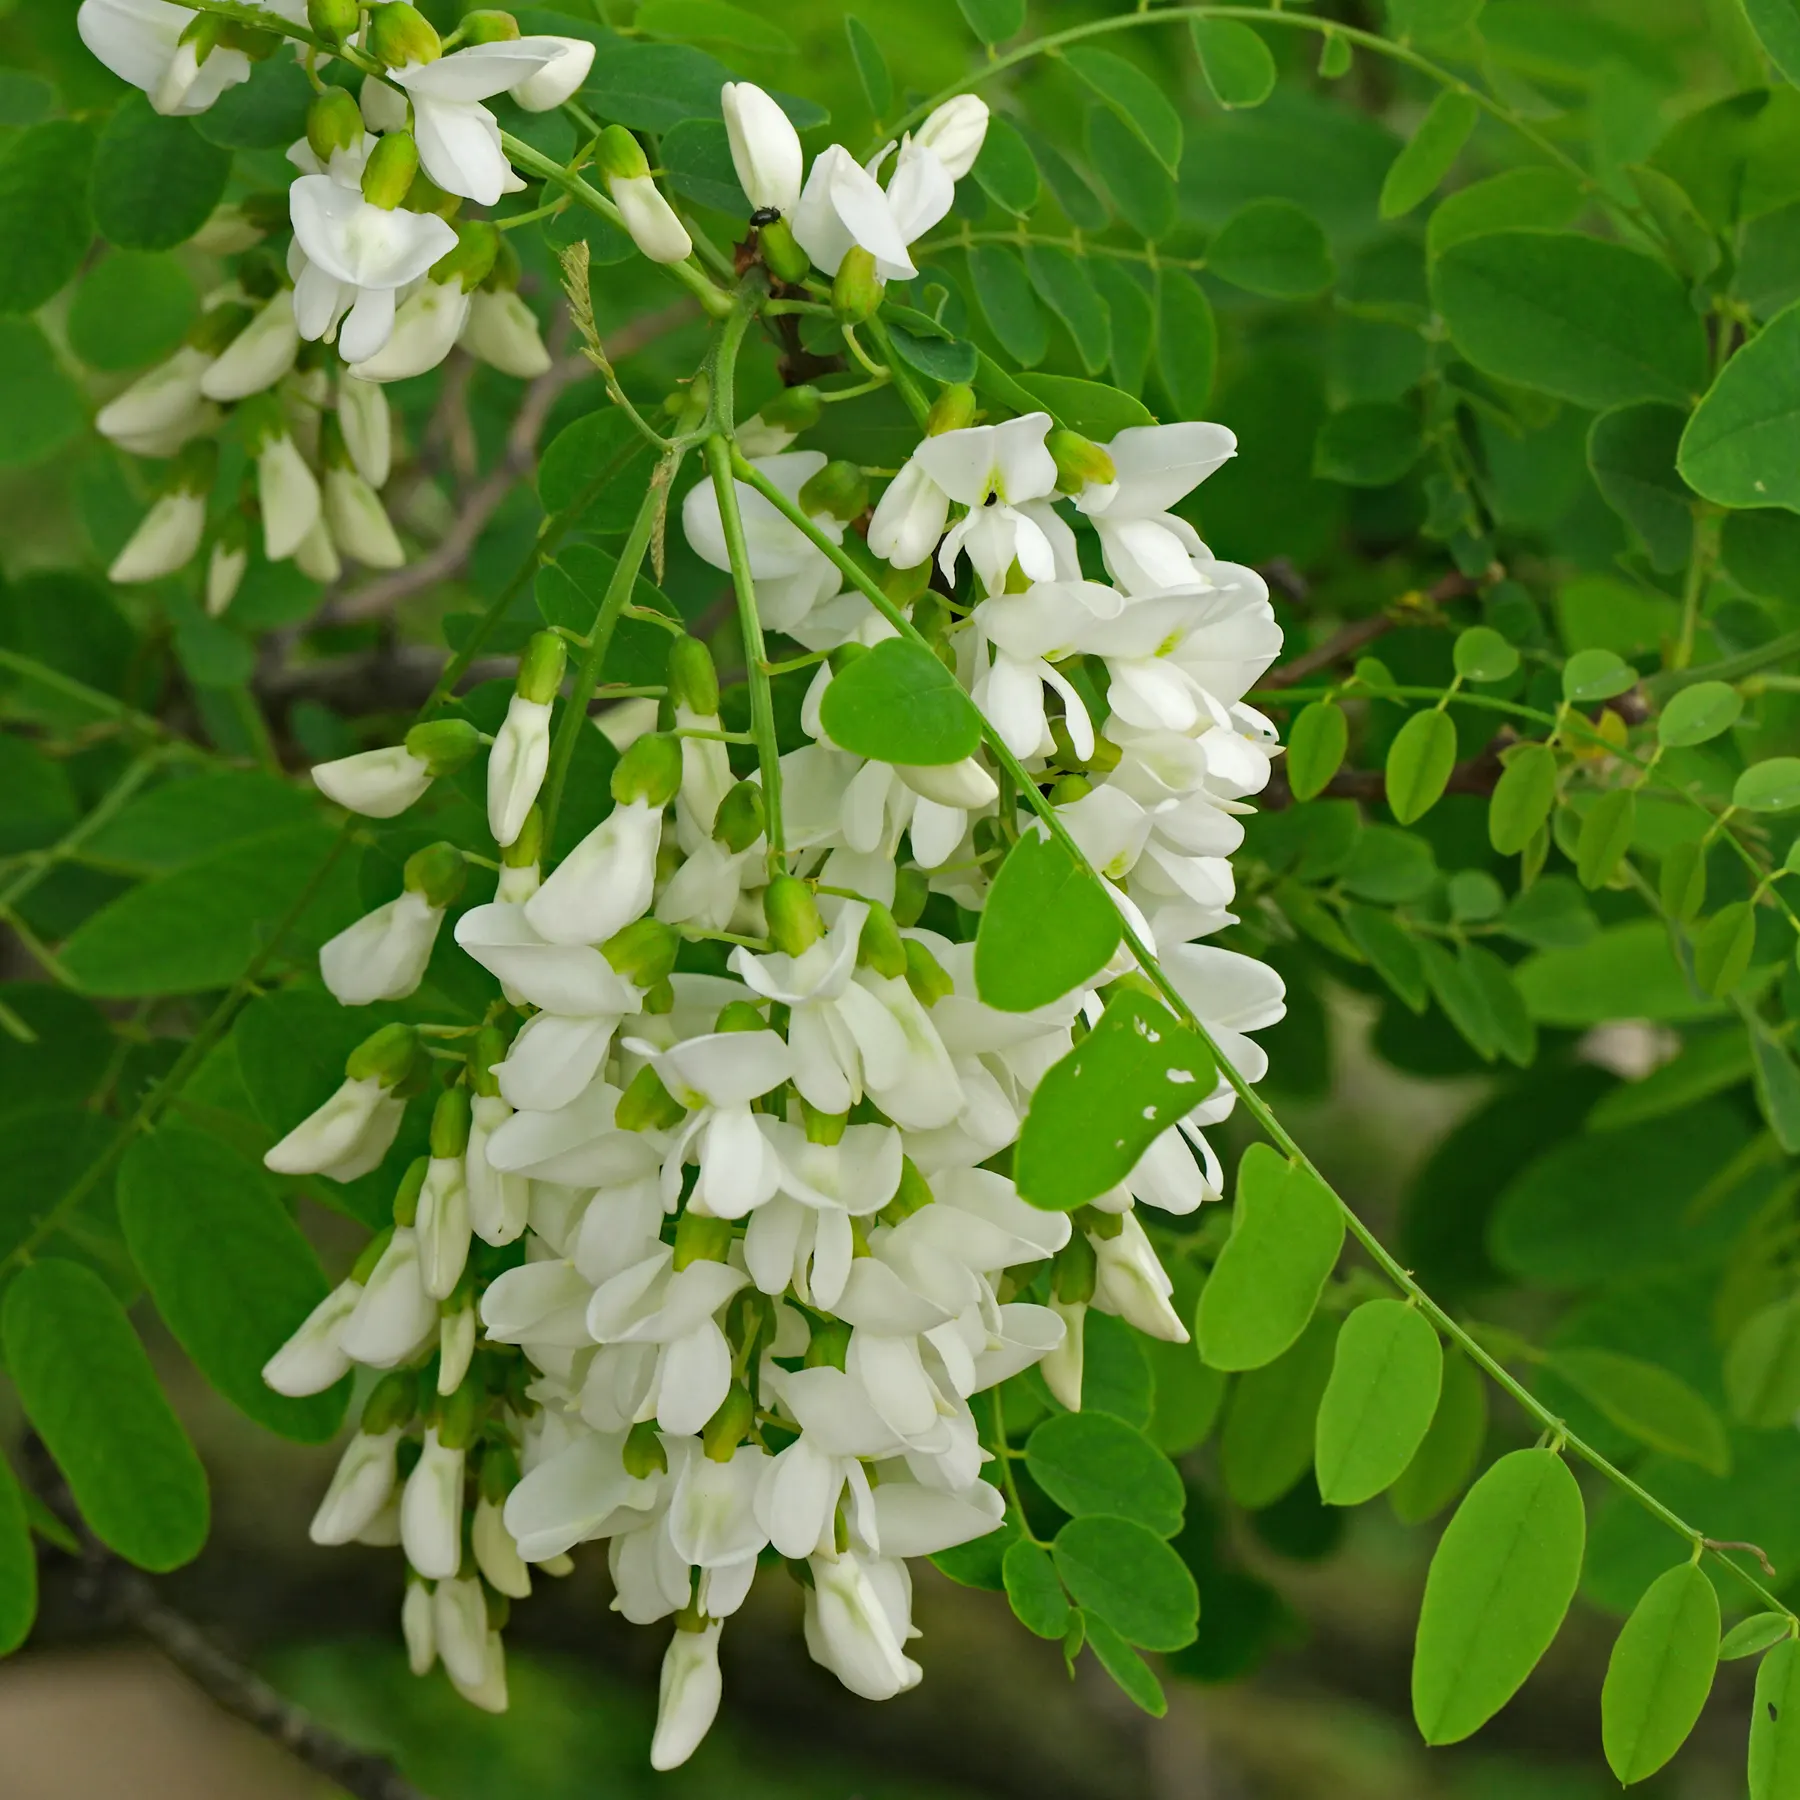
{"points": [[687, 1695], [993, 470], [516, 766], [162, 409], [347, 1137], [425, 331], [650, 219], [1030, 633], [443, 1226], [1130, 1280], [379, 784], [717, 1076], [605, 882], [1147, 547], [765, 148], [954, 133], [459, 141], [460, 1630], [260, 354], [502, 331], [909, 518], [496, 1554], [164, 541], [799, 1490], [225, 568], [359, 1489], [140, 41], [316, 555], [362, 411], [571, 979], [314, 1359], [431, 1513], [393, 1317], [579, 1492], [288, 492], [383, 955], [498, 1201], [858, 1617], [843, 205], [1061, 1368], [358, 522], [559, 79], [456, 1347]]}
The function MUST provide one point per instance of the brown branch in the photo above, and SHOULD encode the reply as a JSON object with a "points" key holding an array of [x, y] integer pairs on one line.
{"points": [[1340, 644], [1479, 775]]}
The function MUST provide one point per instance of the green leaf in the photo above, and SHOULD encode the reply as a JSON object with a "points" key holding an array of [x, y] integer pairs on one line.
{"points": [[1606, 833], [44, 219], [1698, 714], [1656, 1407], [1379, 1402], [25, 99], [1500, 1582], [1236, 62], [1267, 1441], [1482, 654], [1777, 24], [1419, 762], [131, 310], [1522, 199], [40, 407], [1708, 1064], [899, 704], [228, 1269], [1769, 787], [1272, 247], [1115, 1374], [1090, 407], [712, 22], [18, 1564], [993, 21], [1138, 101], [1187, 342], [1126, 1575], [1573, 316], [1752, 1636], [1388, 865], [1370, 444], [1287, 1230], [1316, 746], [1429, 19], [872, 71], [1003, 292], [1141, 189], [1777, 1089], [1006, 169], [1047, 928], [1391, 952], [196, 816], [1723, 947], [588, 461], [1125, 1666], [943, 359], [1631, 451], [1626, 972], [1591, 675], [1188, 1395], [155, 180], [1775, 1726], [1091, 1463], [697, 156], [1522, 798], [1098, 1110], [1449, 1451], [980, 1563], [1133, 323], [1063, 285], [1510, 1025], [1427, 156], [1660, 1673], [1739, 448], [1033, 1590], [267, 112], [88, 1389], [653, 87], [1762, 1367]]}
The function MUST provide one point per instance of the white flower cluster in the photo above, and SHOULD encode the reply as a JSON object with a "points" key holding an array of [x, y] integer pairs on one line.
{"points": [[380, 281]]}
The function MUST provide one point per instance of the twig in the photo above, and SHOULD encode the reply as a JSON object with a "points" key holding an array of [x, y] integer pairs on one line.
{"points": [[1341, 644]]}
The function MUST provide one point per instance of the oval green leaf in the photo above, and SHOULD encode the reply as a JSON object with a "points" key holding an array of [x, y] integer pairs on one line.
{"points": [[1090, 1462], [899, 704], [1657, 1407], [1316, 746], [1451, 1448], [44, 219], [1187, 342], [1125, 1574], [18, 1564], [1426, 157], [1033, 1590], [1775, 1726], [1134, 97], [1723, 947], [1631, 452], [1522, 798], [1591, 675], [1660, 1672], [1698, 714], [155, 180], [1742, 446], [1762, 1367], [1047, 928], [1769, 787], [1237, 64], [1274, 248], [1005, 168], [1605, 836], [1419, 762], [1500, 1582], [1003, 292], [1752, 1636], [1379, 1402], [1482, 654], [1266, 1444]]}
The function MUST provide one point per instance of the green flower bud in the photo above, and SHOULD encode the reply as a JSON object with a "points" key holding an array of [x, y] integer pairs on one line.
{"points": [[391, 1403], [526, 851], [823, 1127], [406, 1196], [1072, 1273], [450, 1123], [661, 997], [334, 122], [740, 1015], [443, 745], [488, 27], [785, 260], [730, 1425], [646, 1105], [389, 1056], [693, 681], [856, 292], [399, 35], [644, 1455], [1068, 789], [925, 974], [793, 915], [541, 667], [491, 1045], [1079, 461], [372, 1253], [437, 872], [913, 1193], [217, 328], [794, 409], [425, 196], [477, 244], [699, 1237], [458, 1416], [619, 156], [739, 821], [881, 946], [644, 952], [911, 891], [840, 490], [504, 276], [844, 655], [1102, 1225], [830, 1345], [952, 410], [334, 20], [499, 1473], [390, 170], [650, 770]]}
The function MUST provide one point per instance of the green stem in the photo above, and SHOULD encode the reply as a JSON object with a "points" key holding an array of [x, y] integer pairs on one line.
{"points": [[1727, 668], [904, 382], [1700, 561], [105, 704], [69, 846], [1258, 1109]]}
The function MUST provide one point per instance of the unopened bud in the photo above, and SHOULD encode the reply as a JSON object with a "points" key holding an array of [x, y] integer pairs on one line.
{"points": [[333, 122], [794, 409], [450, 1124], [644, 952], [406, 1195], [437, 873], [391, 1402], [1079, 462], [399, 35], [660, 998], [693, 681], [650, 771], [541, 667], [739, 821], [644, 1455], [389, 1056], [925, 974], [646, 1105], [793, 915], [881, 947], [911, 891], [1097, 1224], [390, 170], [785, 259], [952, 410], [458, 1416], [699, 1237], [334, 20], [829, 1346], [913, 1193], [490, 1047], [1072, 1273], [477, 244], [619, 156], [740, 1015], [840, 490], [1068, 789], [526, 851], [856, 290], [425, 196], [730, 1425], [443, 745], [844, 655], [488, 27], [822, 1127]]}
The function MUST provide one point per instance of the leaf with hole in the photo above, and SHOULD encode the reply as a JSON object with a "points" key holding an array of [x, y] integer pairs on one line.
{"points": [[1775, 1725], [1048, 928], [899, 704]]}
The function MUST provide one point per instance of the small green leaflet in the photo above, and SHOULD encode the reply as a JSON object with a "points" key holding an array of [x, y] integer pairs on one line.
{"points": [[871, 65], [88, 1389], [18, 1564], [1266, 1444], [1534, 199], [1775, 1726], [44, 217], [1769, 787], [155, 180], [943, 359], [1141, 189], [1660, 1673], [1522, 798], [1427, 156], [1741, 445], [1391, 953], [1500, 1582], [1316, 746], [1133, 323], [1047, 928], [1123, 1664], [1004, 293], [1591, 675], [899, 704], [1777, 1088], [1099, 1109], [1134, 97], [993, 21], [1063, 285], [1655, 1406], [1698, 714], [1451, 1449], [1123, 1573], [1090, 407], [1482, 654], [1419, 762], [1631, 451], [1762, 1367], [1777, 24], [1379, 1402], [1236, 62], [1089, 1462], [1006, 169], [1286, 1232], [1274, 248], [1606, 833], [1752, 1636], [1033, 1590], [1723, 947], [1187, 341], [712, 21], [1370, 444]]}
